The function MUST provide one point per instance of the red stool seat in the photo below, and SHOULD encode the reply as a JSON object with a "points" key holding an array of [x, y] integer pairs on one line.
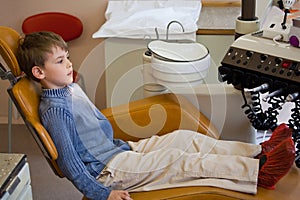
{"points": [[67, 26]]}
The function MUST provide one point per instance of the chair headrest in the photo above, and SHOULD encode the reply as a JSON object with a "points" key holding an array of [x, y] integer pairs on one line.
{"points": [[9, 41]]}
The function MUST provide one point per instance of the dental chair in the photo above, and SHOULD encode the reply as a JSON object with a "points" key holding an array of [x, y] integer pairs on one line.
{"points": [[139, 119]]}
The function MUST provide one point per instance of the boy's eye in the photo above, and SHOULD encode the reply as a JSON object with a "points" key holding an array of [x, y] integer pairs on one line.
{"points": [[60, 61]]}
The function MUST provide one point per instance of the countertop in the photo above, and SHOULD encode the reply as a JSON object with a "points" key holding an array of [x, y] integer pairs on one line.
{"points": [[10, 164], [217, 17]]}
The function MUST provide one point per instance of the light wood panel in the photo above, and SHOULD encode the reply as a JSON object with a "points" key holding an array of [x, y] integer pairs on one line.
{"points": [[221, 3]]}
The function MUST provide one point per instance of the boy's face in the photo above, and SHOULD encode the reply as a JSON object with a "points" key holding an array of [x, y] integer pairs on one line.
{"points": [[57, 71]]}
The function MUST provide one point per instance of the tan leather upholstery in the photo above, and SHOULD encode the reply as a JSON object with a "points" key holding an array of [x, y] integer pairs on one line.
{"points": [[157, 115], [25, 95], [9, 40]]}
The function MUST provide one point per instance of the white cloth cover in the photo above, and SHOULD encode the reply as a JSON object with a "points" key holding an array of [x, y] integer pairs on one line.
{"points": [[139, 18]]}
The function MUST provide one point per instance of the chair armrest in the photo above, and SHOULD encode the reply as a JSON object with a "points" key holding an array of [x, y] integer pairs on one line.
{"points": [[157, 115]]}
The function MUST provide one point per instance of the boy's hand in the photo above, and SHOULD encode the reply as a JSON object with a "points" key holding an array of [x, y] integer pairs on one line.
{"points": [[119, 195]]}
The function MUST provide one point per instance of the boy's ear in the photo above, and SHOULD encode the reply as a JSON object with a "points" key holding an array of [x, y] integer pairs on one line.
{"points": [[38, 72]]}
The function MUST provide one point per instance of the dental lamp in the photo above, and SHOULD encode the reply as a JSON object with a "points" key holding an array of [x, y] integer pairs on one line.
{"points": [[257, 65]]}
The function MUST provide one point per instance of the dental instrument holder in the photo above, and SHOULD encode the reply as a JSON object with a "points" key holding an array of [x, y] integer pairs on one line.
{"points": [[247, 22], [256, 65]]}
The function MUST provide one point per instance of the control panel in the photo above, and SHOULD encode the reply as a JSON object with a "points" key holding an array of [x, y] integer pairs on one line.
{"points": [[249, 68]]}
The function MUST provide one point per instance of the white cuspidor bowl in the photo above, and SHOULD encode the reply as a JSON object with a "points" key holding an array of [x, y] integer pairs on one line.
{"points": [[175, 64]]}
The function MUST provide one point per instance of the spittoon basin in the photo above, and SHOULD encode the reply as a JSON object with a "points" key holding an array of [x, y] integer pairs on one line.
{"points": [[176, 64]]}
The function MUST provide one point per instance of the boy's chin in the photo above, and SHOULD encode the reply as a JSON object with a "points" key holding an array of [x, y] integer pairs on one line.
{"points": [[71, 80]]}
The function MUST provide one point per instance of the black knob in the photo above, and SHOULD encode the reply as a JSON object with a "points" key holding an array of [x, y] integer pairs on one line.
{"points": [[249, 53], [263, 57], [278, 60]]}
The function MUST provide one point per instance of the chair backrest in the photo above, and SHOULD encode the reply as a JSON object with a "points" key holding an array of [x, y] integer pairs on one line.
{"points": [[26, 96], [9, 40], [67, 26]]}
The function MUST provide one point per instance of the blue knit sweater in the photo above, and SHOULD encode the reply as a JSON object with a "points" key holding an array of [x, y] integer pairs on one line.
{"points": [[82, 135]]}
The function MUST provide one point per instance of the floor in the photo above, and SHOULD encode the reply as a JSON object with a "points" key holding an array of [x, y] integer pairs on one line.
{"points": [[45, 184]]}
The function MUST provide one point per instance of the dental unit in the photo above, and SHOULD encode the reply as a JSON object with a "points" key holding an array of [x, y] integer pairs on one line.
{"points": [[267, 63], [255, 64]]}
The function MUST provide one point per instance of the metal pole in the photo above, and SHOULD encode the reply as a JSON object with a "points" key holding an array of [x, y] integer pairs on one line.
{"points": [[9, 124], [247, 22], [248, 10]]}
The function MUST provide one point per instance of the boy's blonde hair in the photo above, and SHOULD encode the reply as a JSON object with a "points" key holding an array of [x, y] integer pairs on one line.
{"points": [[34, 47]]}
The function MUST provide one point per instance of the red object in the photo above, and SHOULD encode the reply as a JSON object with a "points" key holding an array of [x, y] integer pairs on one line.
{"points": [[67, 26], [286, 64], [278, 163], [280, 133]]}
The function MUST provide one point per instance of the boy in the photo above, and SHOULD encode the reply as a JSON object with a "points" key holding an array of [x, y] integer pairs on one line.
{"points": [[102, 167]]}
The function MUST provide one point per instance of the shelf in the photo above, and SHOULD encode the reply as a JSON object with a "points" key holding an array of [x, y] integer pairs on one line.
{"points": [[221, 3]]}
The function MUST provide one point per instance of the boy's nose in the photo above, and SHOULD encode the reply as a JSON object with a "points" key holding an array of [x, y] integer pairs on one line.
{"points": [[69, 64]]}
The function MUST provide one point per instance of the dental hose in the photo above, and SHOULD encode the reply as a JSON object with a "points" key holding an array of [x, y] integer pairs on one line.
{"points": [[259, 119], [294, 123], [268, 120]]}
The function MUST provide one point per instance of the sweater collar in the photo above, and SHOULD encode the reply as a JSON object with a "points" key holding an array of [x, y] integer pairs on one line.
{"points": [[60, 92]]}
